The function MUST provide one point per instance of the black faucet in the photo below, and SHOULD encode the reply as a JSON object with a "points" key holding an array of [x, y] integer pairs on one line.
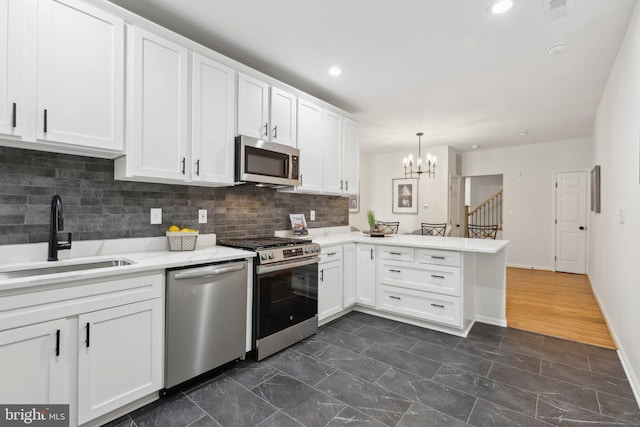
{"points": [[56, 224]]}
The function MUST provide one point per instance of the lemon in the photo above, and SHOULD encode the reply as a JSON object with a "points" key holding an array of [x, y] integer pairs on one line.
{"points": [[187, 230], [174, 228]]}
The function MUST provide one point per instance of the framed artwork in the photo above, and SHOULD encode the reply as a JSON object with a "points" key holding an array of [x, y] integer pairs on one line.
{"points": [[595, 189], [405, 196], [354, 203]]}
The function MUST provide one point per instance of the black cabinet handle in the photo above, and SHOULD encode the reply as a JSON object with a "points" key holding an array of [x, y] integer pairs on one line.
{"points": [[87, 342], [437, 305], [198, 167], [346, 185], [395, 253], [371, 254], [266, 129], [58, 342], [322, 275], [332, 253], [581, 227], [275, 132], [184, 163], [14, 120], [437, 277], [395, 271], [45, 121], [437, 257], [394, 297]]}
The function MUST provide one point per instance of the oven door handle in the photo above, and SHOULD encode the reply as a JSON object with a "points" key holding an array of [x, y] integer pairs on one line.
{"points": [[261, 269], [212, 270]]}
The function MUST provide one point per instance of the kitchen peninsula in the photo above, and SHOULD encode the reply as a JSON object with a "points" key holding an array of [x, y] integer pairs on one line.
{"points": [[443, 283]]}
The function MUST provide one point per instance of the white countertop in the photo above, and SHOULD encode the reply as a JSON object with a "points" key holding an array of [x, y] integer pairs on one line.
{"points": [[417, 241], [145, 254]]}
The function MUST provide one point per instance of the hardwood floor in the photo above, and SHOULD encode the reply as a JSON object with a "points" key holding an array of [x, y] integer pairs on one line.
{"points": [[557, 304]]}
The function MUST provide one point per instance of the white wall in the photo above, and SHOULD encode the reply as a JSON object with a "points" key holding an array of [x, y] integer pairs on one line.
{"points": [[529, 197], [377, 172], [614, 269]]}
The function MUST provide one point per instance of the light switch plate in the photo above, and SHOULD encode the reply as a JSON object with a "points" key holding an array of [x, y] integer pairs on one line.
{"points": [[156, 215], [202, 216], [312, 216]]}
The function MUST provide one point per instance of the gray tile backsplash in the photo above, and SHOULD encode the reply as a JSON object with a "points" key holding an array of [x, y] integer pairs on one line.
{"points": [[98, 207]]}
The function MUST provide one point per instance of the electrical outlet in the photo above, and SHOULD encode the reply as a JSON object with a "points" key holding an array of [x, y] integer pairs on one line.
{"points": [[202, 216], [312, 215], [156, 216]]}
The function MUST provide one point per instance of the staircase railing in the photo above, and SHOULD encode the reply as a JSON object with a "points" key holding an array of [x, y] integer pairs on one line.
{"points": [[488, 212]]}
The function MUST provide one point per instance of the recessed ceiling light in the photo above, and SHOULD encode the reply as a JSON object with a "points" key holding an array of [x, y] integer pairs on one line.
{"points": [[335, 71], [522, 132], [556, 48], [475, 146], [501, 6]]}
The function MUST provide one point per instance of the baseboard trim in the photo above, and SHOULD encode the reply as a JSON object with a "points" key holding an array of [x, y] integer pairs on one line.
{"points": [[531, 267], [491, 320], [622, 355]]}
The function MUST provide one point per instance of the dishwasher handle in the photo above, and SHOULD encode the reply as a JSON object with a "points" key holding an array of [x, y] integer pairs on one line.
{"points": [[210, 270]]}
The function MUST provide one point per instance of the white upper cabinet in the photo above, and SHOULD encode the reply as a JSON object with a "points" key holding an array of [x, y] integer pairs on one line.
{"points": [[213, 109], [351, 156], [80, 75], [266, 112], [283, 117], [157, 111], [332, 181], [11, 80], [310, 146]]}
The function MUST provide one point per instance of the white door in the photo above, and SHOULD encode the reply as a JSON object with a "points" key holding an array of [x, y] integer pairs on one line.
{"points": [[120, 360], [253, 107], [571, 206], [157, 123], [350, 157], [455, 226], [34, 363], [80, 75], [11, 102], [366, 275], [283, 117], [213, 113], [310, 145], [332, 182], [349, 278]]}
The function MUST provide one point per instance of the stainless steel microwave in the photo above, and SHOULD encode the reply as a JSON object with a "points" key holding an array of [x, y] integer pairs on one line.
{"points": [[264, 162]]}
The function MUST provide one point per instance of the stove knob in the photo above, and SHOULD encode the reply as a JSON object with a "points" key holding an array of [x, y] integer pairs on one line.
{"points": [[270, 255], [263, 256]]}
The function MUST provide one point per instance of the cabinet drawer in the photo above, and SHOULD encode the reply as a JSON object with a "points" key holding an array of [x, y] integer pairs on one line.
{"points": [[438, 278], [397, 253], [435, 256], [422, 305], [331, 253]]}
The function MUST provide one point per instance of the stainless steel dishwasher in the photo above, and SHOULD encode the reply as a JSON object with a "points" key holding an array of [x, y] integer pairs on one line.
{"points": [[206, 315]]}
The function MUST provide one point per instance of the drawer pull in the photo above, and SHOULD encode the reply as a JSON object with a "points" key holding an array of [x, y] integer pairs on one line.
{"points": [[58, 342], [394, 297], [332, 253], [395, 271], [437, 277], [437, 305], [395, 253], [437, 257]]}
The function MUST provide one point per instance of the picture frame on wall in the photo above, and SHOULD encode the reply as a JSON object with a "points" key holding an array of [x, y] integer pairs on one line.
{"points": [[595, 189], [354, 203], [405, 196]]}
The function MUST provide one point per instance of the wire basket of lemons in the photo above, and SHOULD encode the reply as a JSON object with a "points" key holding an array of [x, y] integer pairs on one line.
{"points": [[181, 239]]}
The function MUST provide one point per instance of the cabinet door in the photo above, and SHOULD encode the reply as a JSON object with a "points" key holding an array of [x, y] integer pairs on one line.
{"points": [[349, 275], [157, 123], [213, 107], [120, 360], [329, 289], [310, 146], [351, 153], [35, 363], [366, 275], [11, 97], [253, 107], [80, 97], [283, 117], [332, 181]]}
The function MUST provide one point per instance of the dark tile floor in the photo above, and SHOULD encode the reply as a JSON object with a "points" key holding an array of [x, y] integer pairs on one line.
{"points": [[363, 370]]}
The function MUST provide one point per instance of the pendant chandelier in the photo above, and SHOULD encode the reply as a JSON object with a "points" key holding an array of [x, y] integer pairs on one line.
{"points": [[429, 167]]}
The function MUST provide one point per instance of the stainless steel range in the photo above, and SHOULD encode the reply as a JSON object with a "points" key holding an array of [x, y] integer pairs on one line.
{"points": [[285, 291]]}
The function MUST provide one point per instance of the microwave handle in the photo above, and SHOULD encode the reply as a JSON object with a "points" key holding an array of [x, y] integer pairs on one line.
{"points": [[287, 170]]}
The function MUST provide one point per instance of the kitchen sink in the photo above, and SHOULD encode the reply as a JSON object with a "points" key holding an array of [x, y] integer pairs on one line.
{"points": [[41, 270]]}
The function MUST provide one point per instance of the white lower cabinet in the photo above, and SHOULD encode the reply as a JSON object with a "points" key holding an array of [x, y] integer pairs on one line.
{"points": [[366, 275], [120, 357], [349, 275], [98, 341], [422, 305], [330, 282], [35, 363]]}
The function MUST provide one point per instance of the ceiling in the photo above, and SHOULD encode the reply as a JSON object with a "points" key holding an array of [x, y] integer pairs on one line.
{"points": [[448, 68]]}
